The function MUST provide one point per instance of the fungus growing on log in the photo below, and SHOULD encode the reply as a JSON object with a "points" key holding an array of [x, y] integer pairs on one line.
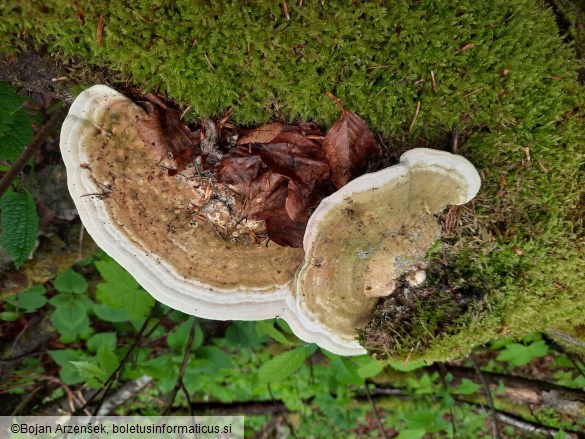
{"points": [[174, 234], [181, 234], [361, 239]]}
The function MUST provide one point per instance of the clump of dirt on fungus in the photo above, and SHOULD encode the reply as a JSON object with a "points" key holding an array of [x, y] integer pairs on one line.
{"points": [[405, 323]]}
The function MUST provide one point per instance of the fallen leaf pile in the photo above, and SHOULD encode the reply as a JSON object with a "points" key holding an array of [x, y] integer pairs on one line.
{"points": [[281, 171]]}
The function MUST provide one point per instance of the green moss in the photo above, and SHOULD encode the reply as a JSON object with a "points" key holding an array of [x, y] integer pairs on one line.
{"points": [[519, 241], [377, 59]]}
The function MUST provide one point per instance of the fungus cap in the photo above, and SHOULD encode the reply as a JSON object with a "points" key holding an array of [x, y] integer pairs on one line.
{"points": [[362, 238], [146, 221]]}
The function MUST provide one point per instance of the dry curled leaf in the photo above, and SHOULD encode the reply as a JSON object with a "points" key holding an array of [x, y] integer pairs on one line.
{"points": [[303, 165], [347, 145], [170, 141], [279, 133], [263, 134], [300, 202], [210, 140], [266, 196], [238, 170], [286, 232]]}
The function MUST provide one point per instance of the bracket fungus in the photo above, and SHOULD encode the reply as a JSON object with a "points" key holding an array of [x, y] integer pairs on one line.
{"points": [[190, 250], [363, 237]]}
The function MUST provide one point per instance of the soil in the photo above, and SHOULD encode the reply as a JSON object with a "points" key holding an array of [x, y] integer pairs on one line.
{"points": [[42, 73]]}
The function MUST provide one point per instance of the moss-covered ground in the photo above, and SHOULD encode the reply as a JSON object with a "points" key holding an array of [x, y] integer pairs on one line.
{"points": [[498, 71]]}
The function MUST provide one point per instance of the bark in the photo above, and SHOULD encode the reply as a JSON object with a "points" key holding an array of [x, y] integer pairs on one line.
{"points": [[565, 401]]}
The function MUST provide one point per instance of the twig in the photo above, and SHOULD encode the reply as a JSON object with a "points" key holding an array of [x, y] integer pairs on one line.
{"points": [[549, 434], [415, 116], [477, 90], [383, 66], [208, 62], [140, 337], [441, 369], [187, 397], [246, 408], [336, 100], [71, 398], [55, 119], [455, 139], [524, 425], [464, 48], [506, 418], [80, 247], [575, 364], [285, 10], [376, 414], [268, 428], [126, 358], [179, 382], [29, 396], [433, 80], [272, 399], [488, 394], [125, 393]]}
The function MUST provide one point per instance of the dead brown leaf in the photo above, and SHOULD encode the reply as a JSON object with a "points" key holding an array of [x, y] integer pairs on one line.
{"points": [[347, 145], [305, 166], [300, 202], [279, 133], [167, 137], [286, 232], [263, 134], [238, 170], [266, 196]]}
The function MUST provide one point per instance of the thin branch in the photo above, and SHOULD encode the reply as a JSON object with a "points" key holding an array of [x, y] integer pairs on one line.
{"points": [[179, 382], [526, 426], [516, 381], [273, 400], [28, 152], [549, 434], [454, 139], [268, 428], [416, 111], [187, 398], [246, 408], [124, 394], [376, 414], [139, 339], [488, 394], [113, 376], [288, 424], [575, 363], [277, 407], [336, 100], [442, 373]]}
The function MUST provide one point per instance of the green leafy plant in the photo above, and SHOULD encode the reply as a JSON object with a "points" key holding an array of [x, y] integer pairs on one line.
{"points": [[70, 316], [120, 295], [24, 302], [285, 364], [247, 361], [519, 354], [19, 222], [15, 126]]}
